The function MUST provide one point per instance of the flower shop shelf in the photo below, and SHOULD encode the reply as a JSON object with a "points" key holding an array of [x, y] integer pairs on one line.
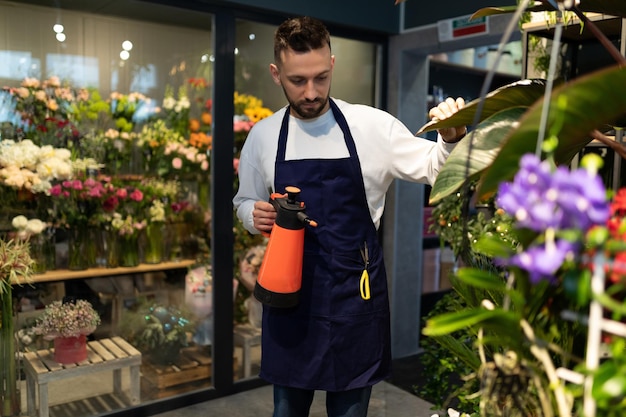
{"points": [[112, 354], [65, 274]]}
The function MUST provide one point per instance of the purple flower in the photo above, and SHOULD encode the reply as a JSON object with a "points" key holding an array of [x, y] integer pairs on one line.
{"points": [[543, 261], [563, 199]]}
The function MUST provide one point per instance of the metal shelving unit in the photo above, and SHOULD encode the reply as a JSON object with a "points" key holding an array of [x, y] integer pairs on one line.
{"points": [[582, 53]]}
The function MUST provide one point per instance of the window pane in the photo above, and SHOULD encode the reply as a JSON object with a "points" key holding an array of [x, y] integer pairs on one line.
{"points": [[129, 91]]}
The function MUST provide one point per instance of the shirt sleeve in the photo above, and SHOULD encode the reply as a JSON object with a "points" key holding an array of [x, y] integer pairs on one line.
{"points": [[252, 187], [415, 158]]}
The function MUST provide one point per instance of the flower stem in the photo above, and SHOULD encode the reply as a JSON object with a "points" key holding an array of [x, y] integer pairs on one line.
{"points": [[8, 375]]}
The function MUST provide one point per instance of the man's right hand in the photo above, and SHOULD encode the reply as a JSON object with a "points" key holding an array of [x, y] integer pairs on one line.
{"points": [[263, 216]]}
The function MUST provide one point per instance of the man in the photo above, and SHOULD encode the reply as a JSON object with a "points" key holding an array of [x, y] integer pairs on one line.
{"points": [[343, 157]]}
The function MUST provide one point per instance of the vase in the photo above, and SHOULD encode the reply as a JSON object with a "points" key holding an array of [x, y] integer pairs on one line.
{"points": [[9, 394], [153, 243], [81, 247], [38, 253], [129, 250], [176, 234], [50, 248], [111, 243], [204, 192], [70, 349]]}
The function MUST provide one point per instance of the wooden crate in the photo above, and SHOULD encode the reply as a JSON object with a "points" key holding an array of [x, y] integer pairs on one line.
{"points": [[192, 365]]}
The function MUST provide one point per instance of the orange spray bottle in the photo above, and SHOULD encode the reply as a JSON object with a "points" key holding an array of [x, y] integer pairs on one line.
{"points": [[280, 276]]}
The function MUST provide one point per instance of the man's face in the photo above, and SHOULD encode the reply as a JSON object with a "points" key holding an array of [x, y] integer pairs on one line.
{"points": [[305, 79]]}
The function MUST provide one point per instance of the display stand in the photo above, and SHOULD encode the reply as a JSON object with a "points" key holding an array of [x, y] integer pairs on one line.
{"points": [[112, 354]]}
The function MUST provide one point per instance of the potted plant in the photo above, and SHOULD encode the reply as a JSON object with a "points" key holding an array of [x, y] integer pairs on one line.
{"points": [[524, 301], [68, 323]]}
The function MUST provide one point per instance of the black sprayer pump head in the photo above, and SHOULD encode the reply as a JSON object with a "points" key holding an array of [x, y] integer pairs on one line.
{"points": [[290, 213]]}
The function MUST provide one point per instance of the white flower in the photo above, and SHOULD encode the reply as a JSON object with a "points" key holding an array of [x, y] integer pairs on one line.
{"points": [[169, 103], [35, 226], [453, 413], [19, 222]]}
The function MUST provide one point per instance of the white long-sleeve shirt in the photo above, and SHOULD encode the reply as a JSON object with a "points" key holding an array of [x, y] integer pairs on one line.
{"points": [[387, 149]]}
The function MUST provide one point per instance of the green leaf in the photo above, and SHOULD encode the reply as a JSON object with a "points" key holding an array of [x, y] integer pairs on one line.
{"points": [[493, 247], [609, 382], [461, 350], [518, 94], [481, 279], [491, 11], [609, 7], [451, 322], [585, 104], [480, 148]]}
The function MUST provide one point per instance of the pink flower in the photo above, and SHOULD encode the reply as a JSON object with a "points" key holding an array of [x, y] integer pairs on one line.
{"points": [[122, 193], [95, 192], [77, 185], [236, 164], [90, 182], [242, 126], [177, 163], [136, 195], [110, 204], [55, 190]]}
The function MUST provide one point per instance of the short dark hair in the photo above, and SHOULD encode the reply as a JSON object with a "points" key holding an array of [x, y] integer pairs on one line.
{"points": [[302, 34]]}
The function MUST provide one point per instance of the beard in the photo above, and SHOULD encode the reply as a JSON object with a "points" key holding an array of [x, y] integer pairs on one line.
{"points": [[308, 109]]}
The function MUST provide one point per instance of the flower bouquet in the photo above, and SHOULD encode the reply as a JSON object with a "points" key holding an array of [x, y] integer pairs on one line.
{"points": [[68, 323]]}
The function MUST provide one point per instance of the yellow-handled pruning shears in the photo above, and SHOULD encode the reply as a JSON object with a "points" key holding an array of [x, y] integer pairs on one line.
{"points": [[364, 284]]}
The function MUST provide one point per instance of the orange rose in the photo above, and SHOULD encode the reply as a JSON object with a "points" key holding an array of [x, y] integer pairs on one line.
{"points": [[194, 125], [206, 118]]}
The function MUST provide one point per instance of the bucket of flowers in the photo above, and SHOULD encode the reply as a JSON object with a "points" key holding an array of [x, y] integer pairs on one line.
{"points": [[68, 323]]}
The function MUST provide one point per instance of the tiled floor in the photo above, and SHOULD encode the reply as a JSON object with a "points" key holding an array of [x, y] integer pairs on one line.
{"points": [[387, 401]]}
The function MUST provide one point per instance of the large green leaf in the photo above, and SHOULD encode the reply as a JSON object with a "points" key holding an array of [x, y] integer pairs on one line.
{"points": [[517, 94], [587, 103], [491, 11], [480, 148], [458, 320], [608, 7], [481, 279]]}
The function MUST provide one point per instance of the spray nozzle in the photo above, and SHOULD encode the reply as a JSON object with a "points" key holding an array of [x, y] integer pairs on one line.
{"points": [[292, 194], [290, 211], [306, 219]]}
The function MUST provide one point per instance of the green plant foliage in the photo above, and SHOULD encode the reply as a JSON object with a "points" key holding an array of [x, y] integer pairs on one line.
{"points": [[445, 360], [590, 102], [578, 111]]}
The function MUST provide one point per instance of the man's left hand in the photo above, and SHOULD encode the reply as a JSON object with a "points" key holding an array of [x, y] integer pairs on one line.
{"points": [[444, 110]]}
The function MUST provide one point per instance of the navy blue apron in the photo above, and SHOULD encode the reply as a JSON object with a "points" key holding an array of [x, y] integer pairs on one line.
{"points": [[334, 339]]}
